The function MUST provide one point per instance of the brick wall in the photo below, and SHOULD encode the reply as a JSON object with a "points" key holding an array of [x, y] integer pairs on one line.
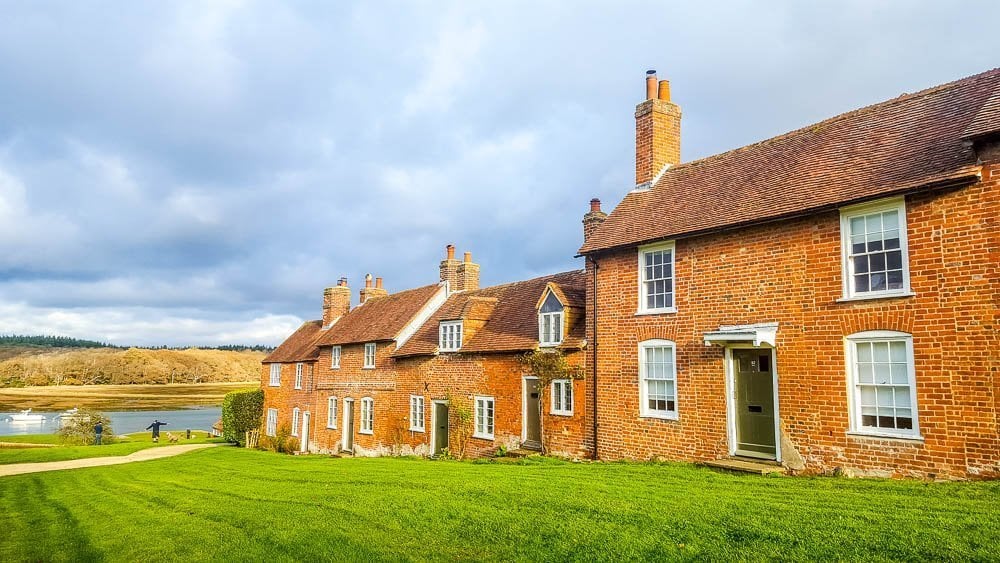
{"points": [[285, 397], [790, 272]]}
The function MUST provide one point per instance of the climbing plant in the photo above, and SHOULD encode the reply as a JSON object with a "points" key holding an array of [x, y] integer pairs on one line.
{"points": [[548, 365]]}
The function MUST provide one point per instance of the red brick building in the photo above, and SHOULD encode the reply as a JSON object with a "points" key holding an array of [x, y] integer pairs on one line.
{"points": [[433, 368], [826, 299]]}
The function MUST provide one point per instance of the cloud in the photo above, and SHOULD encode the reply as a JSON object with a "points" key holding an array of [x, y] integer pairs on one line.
{"points": [[175, 172]]}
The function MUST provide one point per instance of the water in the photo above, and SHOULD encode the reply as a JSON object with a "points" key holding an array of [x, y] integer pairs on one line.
{"points": [[122, 422]]}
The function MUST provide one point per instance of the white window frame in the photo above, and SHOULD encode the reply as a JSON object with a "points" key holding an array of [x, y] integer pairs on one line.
{"points": [[563, 390], [370, 350], [296, 416], [488, 431], [275, 375], [298, 375], [644, 410], [331, 413], [367, 416], [658, 247], [854, 385], [542, 340], [271, 429], [847, 265], [335, 357], [452, 329], [417, 413]]}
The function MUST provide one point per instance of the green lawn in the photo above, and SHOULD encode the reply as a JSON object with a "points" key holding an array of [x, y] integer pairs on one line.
{"points": [[134, 443], [229, 503]]}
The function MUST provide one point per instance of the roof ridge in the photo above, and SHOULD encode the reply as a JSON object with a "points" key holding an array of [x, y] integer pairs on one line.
{"points": [[905, 97], [529, 280]]}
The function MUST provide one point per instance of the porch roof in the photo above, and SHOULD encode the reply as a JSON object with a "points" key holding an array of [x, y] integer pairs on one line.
{"points": [[756, 334]]}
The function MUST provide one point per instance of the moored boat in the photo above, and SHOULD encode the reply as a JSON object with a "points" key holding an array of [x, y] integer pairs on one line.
{"points": [[27, 416]]}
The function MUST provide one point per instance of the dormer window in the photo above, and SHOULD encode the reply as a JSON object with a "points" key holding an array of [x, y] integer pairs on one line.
{"points": [[550, 322], [450, 336]]}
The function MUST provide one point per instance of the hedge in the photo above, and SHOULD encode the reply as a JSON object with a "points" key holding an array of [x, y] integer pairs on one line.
{"points": [[241, 411]]}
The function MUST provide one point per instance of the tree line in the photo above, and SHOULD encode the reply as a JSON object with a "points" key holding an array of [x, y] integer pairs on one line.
{"points": [[44, 341]]}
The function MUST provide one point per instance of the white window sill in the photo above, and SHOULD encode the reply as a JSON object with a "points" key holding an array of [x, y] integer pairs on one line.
{"points": [[886, 436], [331, 427], [367, 367], [667, 311], [483, 436], [548, 344], [659, 416], [295, 435], [561, 413], [414, 429], [299, 388], [334, 367], [366, 432], [869, 297], [449, 349], [274, 385]]}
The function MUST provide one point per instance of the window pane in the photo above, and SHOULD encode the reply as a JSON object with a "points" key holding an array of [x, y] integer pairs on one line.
{"points": [[861, 283], [899, 376], [902, 397], [895, 279], [874, 245], [867, 396], [882, 373], [864, 350], [861, 264], [858, 226], [877, 262], [865, 373], [878, 282], [890, 220], [891, 240], [880, 351], [873, 223]]}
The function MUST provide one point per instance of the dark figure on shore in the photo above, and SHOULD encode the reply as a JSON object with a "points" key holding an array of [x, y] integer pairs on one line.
{"points": [[155, 427], [98, 430]]}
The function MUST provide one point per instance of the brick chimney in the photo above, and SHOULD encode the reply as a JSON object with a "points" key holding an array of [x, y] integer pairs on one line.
{"points": [[657, 131], [449, 269], [468, 274], [593, 218], [369, 292], [336, 302]]}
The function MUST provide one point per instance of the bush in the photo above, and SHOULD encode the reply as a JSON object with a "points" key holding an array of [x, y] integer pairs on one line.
{"points": [[79, 429], [282, 442], [241, 411]]}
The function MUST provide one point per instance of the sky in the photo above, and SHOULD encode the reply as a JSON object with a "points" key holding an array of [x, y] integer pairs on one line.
{"points": [[195, 173]]}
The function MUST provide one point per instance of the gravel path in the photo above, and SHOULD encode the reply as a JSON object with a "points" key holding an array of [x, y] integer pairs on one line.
{"points": [[141, 455]]}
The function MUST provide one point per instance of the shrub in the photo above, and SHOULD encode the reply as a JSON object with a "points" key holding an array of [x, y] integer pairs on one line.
{"points": [[282, 442], [79, 428], [241, 411]]}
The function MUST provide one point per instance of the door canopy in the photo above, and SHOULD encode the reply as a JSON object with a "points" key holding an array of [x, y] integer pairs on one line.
{"points": [[760, 334]]}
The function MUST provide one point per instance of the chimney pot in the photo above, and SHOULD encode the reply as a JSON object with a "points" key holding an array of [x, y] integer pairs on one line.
{"points": [[664, 91], [368, 280], [378, 283], [451, 251], [595, 204], [650, 84], [467, 258]]}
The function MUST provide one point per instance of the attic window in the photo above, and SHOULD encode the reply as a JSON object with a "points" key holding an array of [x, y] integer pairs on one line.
{"points": [[450, 336], [550, 322]]}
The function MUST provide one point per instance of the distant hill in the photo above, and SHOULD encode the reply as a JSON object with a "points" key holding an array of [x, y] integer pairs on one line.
{"points": [[32, 364]]}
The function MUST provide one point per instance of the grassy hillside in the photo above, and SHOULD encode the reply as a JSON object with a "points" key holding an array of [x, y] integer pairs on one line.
{"points": [[114, 366]]}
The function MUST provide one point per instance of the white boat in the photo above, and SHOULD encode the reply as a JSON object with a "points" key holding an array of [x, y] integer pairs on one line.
{"points": [[70, 413], [27, 416]]}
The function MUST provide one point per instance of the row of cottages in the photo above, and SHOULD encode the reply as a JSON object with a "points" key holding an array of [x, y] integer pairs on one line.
{"points": [[434, 368], [826, 299]]}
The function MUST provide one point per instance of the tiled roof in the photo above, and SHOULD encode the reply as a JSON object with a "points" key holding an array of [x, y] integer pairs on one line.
{"points": [[987, 121], [378, 319], [908, 142], [299, 347], [512, 323]]}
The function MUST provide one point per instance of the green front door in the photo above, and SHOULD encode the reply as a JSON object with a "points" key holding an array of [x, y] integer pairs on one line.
{"points": [[754, 382]]}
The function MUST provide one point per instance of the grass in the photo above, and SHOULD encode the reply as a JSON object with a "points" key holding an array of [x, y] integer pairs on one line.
{"points": [[117, 397], [134, 443], [229, 503]]}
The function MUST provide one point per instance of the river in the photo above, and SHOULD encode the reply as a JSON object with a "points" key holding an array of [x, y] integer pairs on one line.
{"points": [[122, 422]]}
